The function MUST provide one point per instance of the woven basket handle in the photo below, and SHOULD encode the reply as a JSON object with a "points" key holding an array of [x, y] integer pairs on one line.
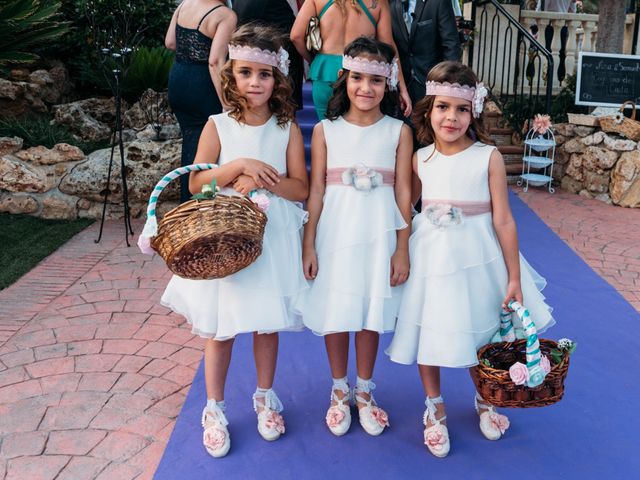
{"points": [[633, 106], [150, 229], [536, 373]]}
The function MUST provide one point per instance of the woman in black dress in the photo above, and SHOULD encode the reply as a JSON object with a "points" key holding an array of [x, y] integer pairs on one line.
{"points": [[199, 33]]}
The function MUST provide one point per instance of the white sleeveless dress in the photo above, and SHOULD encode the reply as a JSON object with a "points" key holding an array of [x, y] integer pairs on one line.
{"points": [[356, 236], [258, 297], [451, 302]]}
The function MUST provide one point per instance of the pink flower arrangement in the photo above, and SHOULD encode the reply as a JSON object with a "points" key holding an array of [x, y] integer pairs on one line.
{"points": [[435, 438], [500, 422], [519, 373], [214, 438], [545, 364], [262, 201], [275, 420], [541, 124], [380, 416], [334, 417]]}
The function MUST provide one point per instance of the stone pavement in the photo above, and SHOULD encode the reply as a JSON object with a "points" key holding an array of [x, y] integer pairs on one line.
{"points": [[93, 372]]}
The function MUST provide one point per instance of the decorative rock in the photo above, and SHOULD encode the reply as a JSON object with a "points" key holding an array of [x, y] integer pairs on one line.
{"points": [[558, 172], [619, 144], [18, 204], [574, 146], [574, 169], [91, 119], [19, 75], [603, 197], [167, 132], [625, 175], [565, 129], [562, 157], [560, 139], [61, 152], [60, 76], [11, 90], [596, 157], [583, 131], [9, 145], [570, 185], [58, 206], [594, 139], [597, 183], [70, 153], [16, 177], [585, 193]]}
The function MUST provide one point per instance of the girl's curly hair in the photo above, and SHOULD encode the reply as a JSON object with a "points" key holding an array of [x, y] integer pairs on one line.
{"points": [[372, 50], [452, 72], [281, 102]]}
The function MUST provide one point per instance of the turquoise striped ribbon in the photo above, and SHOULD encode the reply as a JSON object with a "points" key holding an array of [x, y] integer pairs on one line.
{"points": [[536, 373]]}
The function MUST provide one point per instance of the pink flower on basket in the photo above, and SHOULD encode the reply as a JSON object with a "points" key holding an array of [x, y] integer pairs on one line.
{"points": [[519, 373], [541, 123], [261, 200], [214, 438], [545, 364], [144, 244], [275, 421], [380, 416], [334, 417], [500, 422], [435, 438]]}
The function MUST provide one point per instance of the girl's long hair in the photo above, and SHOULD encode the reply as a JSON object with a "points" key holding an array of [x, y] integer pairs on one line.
{"points": [[372, 50], [281, 101], [452, 72]]}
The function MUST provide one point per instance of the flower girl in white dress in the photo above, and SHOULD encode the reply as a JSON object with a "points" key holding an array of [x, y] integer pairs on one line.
{"points": [[355, 243], [464, 254]]}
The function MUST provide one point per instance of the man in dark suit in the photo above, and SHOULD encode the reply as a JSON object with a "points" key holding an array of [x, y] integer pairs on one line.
{"points": [[275, 13], [425, 33]]}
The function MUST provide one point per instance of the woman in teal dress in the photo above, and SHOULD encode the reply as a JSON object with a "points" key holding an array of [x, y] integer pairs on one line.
{"points": [[341, 22]]}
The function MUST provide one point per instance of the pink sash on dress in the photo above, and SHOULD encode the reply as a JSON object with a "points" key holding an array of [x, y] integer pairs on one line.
{"points": [[468, 208]]}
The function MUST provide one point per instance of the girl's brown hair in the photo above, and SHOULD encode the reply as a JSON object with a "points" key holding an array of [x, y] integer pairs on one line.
{"points": [[452, 72], [280, 103]]}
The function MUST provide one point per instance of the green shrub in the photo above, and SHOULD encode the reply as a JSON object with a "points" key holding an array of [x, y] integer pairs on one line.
{"points": [[149, 69], [38, 130], [25, 25]]}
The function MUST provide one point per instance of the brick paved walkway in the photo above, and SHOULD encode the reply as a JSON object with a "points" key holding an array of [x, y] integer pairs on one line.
{"points": [[93, 372]]}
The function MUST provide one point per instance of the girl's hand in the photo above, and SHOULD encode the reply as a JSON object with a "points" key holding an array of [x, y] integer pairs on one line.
{"points": [[262, 173], [514, 292], [244, 184], [405, 102], [309, 263], [399, 267]]}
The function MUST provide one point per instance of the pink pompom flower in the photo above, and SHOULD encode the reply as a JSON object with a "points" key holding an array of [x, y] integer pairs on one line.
{"points": [[519, 373]]}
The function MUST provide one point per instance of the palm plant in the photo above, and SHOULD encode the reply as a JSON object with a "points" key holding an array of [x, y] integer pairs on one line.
{"points": [[26, 24]]}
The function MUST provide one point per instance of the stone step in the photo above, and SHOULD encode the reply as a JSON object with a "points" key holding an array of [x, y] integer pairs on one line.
{"points": [[502, 136]]}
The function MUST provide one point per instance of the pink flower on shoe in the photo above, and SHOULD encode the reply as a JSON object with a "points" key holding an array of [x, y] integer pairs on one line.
{"points": [[435, 438], [214, 438], [500, 422], [275, 421], [380, 416], [545, 364], [519, 373], [335, 416]]}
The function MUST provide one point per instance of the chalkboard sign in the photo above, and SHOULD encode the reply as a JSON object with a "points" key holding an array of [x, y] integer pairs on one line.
{"points": [[607, 79]]}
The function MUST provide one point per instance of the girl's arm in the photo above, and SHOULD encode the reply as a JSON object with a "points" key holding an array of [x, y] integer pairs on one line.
{"points": [[315, 201], [400, 258], [505, 226], [384, 33], [220, 48], [299, 28], [295, 186], [209, 151], [170, 37]]}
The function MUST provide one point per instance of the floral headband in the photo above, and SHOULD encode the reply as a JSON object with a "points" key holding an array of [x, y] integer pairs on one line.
{"points": [[475, 94], [373, 67], [279, 60]]}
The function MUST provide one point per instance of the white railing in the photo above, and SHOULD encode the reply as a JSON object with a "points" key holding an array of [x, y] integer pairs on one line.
{"points": [[582, 33]]}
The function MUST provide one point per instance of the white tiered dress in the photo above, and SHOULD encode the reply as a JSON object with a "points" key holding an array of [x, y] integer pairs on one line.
{"points": [[257, 298], [356, 236], [451, 303]]}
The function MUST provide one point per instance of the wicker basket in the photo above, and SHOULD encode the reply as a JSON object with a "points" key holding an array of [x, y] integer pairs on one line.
{"points": [[618, 123], [494, 383], [206, 239]]}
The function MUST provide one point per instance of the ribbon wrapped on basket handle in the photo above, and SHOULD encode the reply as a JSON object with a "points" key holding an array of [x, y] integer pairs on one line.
{"points": [[150, 229], [536, 373]]}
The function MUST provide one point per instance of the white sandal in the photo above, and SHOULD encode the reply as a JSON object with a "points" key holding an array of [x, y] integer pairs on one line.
{"points": [[338, 416], [270, 422], [436, 437], [492, 424], [372, 418], [215, 437]]}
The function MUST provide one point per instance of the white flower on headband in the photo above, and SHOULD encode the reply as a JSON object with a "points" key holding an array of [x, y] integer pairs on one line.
{"points": [[283, 61], [392, 81], [478, 99]]}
